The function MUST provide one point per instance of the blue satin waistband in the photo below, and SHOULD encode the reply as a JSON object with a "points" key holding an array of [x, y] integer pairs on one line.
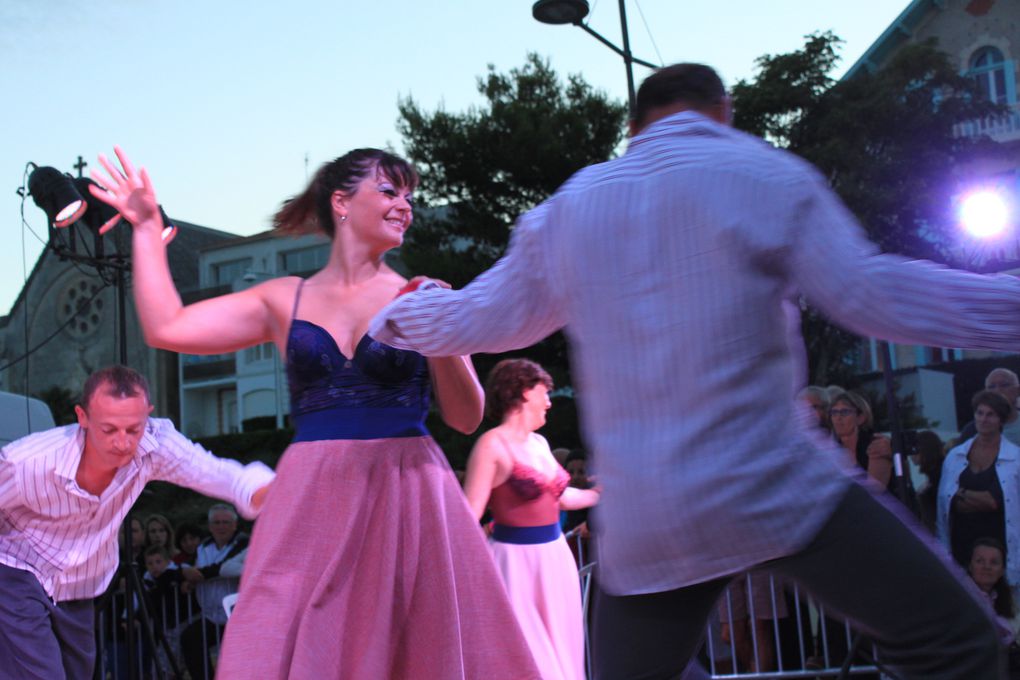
{"points": [[525, 535], [360, 423]]}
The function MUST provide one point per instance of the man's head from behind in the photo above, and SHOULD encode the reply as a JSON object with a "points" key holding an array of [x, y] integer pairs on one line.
{"points": [[680, 87], [113, 412]]}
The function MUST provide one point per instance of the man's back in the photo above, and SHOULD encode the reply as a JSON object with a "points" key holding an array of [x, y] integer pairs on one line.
{"points": [[685, 352]]}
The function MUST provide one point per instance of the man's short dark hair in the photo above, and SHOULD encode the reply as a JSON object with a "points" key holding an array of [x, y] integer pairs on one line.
{"points": [[117, 381], [697, 85]]}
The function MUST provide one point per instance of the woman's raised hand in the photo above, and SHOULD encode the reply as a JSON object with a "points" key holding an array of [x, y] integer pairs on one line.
{"points": [[128, 191]]}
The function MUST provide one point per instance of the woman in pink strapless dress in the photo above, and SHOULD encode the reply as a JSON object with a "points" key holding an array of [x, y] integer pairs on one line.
{"points": [[513, 472]]}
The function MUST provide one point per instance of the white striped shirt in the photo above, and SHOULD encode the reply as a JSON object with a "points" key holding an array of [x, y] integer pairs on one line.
{"points": [[673, 270], [66, 536]]}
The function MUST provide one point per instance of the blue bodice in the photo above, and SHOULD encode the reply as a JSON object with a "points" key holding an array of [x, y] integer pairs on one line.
{"points": [[377, 393]]}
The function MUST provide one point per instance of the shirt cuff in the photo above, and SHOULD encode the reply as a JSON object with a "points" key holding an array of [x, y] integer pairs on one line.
{"points": [[253, 477]]}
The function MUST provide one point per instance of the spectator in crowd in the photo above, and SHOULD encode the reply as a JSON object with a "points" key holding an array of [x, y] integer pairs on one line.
{"points": [[928, 458], [818, 399], [1005, 382], [170, 607], [159, 532], [189, 536], [113, 602], [560, 454], [137, 545], [64, 492], [979, 492], [852, 425], [512, 470], [987, 566], [761, 606], [576, 521], [211, 586], [576, 465]]}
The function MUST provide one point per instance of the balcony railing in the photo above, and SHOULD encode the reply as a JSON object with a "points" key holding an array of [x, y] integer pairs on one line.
{"points": [[1002, 128]]}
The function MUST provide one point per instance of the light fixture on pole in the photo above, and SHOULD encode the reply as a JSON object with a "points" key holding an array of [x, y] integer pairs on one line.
{"points": [[56, 194], [558, 12]]}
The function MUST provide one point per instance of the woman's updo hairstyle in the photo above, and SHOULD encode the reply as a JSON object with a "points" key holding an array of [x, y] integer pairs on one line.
{"points": [[311, 210]]}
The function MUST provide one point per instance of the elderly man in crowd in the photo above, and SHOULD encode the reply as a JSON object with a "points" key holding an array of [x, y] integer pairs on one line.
{"points": [[216, 574], [63, 495]]}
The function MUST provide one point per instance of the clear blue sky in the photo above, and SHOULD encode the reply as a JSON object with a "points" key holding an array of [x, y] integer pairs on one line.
{"points": [[222, 100]]}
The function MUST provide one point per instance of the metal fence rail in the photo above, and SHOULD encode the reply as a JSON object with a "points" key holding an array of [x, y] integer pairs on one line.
{"points": [[786, 634], [163, 657]]}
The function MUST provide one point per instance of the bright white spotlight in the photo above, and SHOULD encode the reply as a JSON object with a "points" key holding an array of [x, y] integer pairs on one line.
{"points": [[984, 214]]}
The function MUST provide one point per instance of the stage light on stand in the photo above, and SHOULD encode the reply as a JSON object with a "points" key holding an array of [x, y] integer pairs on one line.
{"points": [[55, 193], [169, 228], [984, 214], [100, 213]]}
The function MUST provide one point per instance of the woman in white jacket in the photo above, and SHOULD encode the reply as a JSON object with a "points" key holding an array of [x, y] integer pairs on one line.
{"points": [[979, 495]]}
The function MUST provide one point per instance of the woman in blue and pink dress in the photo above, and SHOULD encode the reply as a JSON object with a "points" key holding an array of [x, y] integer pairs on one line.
{"points": [[513, 472], [366, 561]]}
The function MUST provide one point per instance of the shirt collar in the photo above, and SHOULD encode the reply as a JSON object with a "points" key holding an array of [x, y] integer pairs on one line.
{"points": [[683, 123], [67, 464]]}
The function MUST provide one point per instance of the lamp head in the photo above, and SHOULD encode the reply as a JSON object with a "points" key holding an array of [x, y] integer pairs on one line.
{"points": [[56, 194], [169, 228], [560, 11], [984, 214]]}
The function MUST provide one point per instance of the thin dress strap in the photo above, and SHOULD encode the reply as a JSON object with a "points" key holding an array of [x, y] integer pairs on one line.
{"points": [[297, 299]]}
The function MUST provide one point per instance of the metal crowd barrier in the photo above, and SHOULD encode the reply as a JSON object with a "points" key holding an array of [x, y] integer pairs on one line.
{"points": [[151, 659], [804, 643]]}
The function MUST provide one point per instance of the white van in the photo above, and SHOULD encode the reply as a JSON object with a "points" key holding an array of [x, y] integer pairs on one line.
{"points": [[21, 415]]}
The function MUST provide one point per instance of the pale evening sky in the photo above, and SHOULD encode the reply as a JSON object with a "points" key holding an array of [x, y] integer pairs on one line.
{"points": [[222, 101]]}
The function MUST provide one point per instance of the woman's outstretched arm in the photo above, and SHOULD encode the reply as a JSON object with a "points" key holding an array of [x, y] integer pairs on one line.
{"points": [[220, 324]]}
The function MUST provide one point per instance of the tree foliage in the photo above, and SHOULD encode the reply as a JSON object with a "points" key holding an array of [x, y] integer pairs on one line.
{"points": [[885, 142], [486, 166], [61, 402]]}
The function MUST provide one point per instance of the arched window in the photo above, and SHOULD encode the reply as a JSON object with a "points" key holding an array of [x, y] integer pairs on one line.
{"points": [[989, 69]]}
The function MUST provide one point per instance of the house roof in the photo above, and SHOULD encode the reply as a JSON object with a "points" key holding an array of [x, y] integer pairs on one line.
{"points": [[899, 31]]}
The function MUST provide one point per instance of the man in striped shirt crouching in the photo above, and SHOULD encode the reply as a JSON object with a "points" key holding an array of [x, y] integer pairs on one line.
{"points": [[64, 493]]}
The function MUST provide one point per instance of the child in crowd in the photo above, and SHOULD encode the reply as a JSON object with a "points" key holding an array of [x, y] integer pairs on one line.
{"points": [[171, 606], [189, 536]]}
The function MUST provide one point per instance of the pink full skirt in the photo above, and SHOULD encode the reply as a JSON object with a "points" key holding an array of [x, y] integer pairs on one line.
{"points": [[541, 580], [367, 564]]}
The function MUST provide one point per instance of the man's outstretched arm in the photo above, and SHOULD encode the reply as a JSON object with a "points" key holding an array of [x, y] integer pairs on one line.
{"points": [[512, 305]]}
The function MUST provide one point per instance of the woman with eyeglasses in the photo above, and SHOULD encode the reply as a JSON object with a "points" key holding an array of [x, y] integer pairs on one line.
{"points": [[979, 493], [852, 423]]}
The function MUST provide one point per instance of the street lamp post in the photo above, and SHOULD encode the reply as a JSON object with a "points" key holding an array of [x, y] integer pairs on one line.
{"points": [[559, 12]]}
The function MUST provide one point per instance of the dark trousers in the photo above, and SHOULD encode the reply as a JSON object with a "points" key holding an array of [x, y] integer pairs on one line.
{"points": [[865, 564], [195, 643], [39, 639]]}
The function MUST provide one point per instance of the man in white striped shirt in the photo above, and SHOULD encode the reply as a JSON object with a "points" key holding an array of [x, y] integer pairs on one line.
{"points": [[674, 272], [63, 495]]}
